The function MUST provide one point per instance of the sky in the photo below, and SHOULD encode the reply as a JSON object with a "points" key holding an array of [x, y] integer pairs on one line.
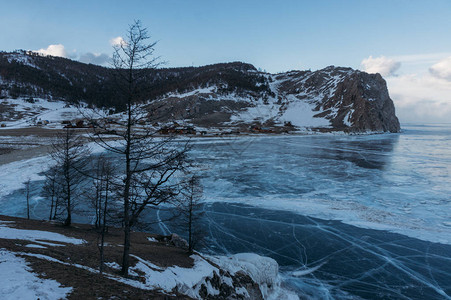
{"points": [[407, 41]]}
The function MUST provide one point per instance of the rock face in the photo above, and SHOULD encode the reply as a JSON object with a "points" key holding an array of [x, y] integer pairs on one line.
{"points": [[351, 100], [233, 96]]}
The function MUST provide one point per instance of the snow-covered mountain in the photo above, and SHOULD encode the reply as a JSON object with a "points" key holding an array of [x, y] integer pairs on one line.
{"points": [[233, 96]]}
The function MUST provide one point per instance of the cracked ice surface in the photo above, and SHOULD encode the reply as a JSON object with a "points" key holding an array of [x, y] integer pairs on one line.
{"points": [[324, 259], [399, 183]]}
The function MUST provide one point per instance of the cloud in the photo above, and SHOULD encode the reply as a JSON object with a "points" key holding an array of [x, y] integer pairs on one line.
{"points": [[53, 50], [383, 65], [421, 90], [442, 69], [94, 58], [117, 41], [421, 98]]}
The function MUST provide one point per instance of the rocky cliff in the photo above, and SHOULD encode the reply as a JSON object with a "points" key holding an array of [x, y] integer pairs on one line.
{"points": [[233, 96], [351, 100]]}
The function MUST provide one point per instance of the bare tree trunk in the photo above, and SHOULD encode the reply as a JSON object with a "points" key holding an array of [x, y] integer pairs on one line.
{"points": [[190, 226], [67, 163], [104, 225], [51, 207], [56, 208], [99, 205], [126, 254], [68, 220], [50, 190], [27, 186], [192, 191], [96, 206]]}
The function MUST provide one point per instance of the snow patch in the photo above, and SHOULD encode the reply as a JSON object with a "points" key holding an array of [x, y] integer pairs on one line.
{"points": [[200, 91], [347, 118], [35, 246], [21, 58], [18, 282], [301, 114], [28, 113], [36, 236]]}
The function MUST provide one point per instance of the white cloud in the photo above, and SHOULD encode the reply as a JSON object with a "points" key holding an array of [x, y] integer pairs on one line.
{"points": [[421, 98], [117, 41], [421, 90], [94, 58], [53, 50], [383, 65], [442, 69]]}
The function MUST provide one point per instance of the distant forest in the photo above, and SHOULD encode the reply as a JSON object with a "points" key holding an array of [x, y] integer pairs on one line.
{"points": [[28, 74]]}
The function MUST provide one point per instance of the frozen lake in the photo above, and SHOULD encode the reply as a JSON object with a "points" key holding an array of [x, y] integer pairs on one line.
{"points": [[397, 182], [351, 216]]}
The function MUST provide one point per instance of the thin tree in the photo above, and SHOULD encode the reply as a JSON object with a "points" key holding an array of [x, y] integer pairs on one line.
{"points": [[105, 176], [94, 193], [50, 190], [71, 157], [191, 212], [149, 164], [27, 195]]}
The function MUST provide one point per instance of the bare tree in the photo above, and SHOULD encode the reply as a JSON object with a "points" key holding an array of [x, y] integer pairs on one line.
{"points": [[51, 190], [149, 163], [190, 208], [105, 175], [94, 193], [71, 156], [27, 195]]}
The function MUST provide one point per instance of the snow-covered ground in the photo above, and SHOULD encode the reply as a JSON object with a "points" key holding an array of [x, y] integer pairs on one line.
{"points": [[17, 281], [300, 113], [24, 113], [6, 232]]}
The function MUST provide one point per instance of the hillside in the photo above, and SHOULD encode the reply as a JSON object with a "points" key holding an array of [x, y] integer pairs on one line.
{"points": [[231, 96]]}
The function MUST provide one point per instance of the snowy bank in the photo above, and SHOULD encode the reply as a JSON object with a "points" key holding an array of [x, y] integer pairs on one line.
{"points": [[240, 276]]}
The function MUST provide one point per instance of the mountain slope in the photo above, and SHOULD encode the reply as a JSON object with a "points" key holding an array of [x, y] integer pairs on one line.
{"points": [[230, 95]]}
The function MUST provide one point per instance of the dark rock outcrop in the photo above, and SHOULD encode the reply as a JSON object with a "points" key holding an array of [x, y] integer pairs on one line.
{"points": [[366, 95], [352, 100]]}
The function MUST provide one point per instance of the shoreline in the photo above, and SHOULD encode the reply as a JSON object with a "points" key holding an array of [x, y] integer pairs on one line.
{"points": [[34, 134], [23, 154]]}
